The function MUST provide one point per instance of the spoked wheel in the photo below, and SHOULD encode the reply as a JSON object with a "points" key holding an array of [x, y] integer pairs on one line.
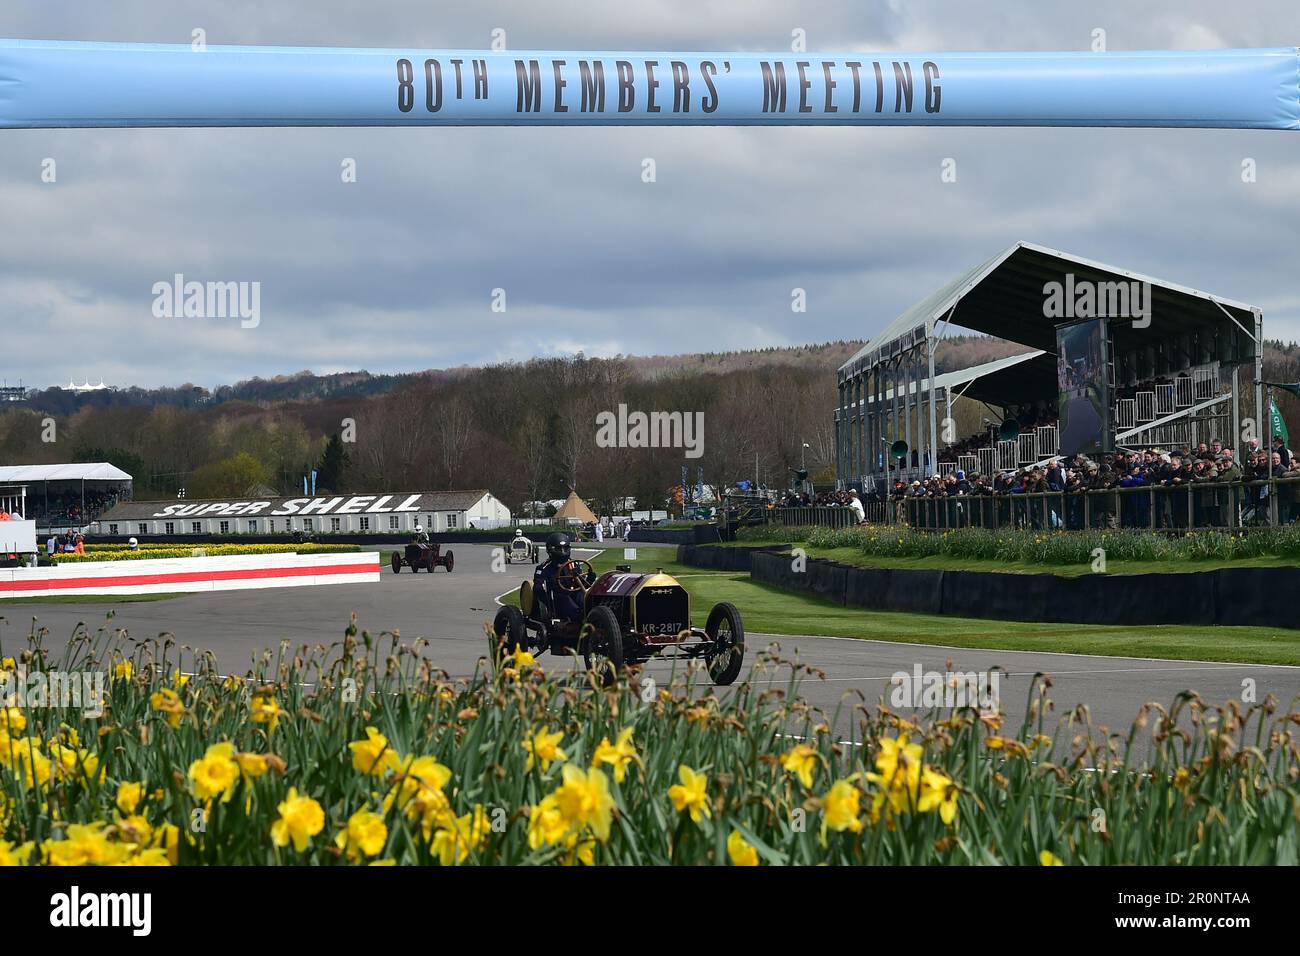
{"points": [[510, 629], [449, 563], [396, 562], [602, 645], [727, 633]]}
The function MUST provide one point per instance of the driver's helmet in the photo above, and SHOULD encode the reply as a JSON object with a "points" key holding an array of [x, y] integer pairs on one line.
{"points": [[557, 546], [519, 532], [419, 529], [133, 544]]}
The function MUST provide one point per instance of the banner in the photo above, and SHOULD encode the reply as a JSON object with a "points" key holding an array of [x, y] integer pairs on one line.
{"points": [[1279, 423], [1083, 396], [49, 84]]}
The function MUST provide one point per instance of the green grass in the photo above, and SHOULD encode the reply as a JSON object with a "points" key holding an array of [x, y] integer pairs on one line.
{"points": [[93, 598], [769, 610], [944, 562]]}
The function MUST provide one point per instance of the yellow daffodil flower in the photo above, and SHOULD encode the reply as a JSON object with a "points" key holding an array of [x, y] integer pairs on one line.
{"points": [[1048, 858], [301, 818], [372, 755], [691, 794], [129, 796], [618, 755], [842, 808], [584, 800], [740, 852], [543, 747], [215, 774], [801, 761], [168, 703], [365, 835]]}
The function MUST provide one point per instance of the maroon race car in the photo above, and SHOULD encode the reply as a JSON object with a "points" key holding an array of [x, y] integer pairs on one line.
{"points": [[422, 555]]}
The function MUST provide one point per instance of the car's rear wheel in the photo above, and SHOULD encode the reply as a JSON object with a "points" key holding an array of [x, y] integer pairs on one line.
{"points": [[509, 628], [449, 562], [396, 562], [727, 632], [602, 645]]}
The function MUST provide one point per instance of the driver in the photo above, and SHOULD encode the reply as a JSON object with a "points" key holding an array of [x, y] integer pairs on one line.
{"points": [[420, 536], [559, 603]]}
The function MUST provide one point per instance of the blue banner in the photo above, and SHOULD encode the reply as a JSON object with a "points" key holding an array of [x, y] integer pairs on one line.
{"points": [[52, 84]]}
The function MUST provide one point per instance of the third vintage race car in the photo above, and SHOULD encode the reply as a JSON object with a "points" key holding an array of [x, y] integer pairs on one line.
{"points": [[419, 554], [628, 618], [522, 550]]}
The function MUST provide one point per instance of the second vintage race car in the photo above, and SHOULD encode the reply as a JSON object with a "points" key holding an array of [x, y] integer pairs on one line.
{"points": [[627, 618], [421, 554]]}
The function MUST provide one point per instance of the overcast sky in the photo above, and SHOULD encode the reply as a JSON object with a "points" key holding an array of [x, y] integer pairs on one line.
{"points": [[396, 272]]}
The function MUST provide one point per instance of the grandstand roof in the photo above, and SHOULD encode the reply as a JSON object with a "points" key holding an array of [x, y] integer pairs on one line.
{"points": [[79, 471], [1003, 296], [1000, 382]]}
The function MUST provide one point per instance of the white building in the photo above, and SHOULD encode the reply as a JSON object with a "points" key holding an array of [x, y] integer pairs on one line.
{"points": [[380, 513]]}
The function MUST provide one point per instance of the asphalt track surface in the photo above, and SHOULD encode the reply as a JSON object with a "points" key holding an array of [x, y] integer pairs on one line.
{"points": [[450, 610]]}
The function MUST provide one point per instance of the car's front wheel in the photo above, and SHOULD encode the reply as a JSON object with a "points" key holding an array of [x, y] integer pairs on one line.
{"points": [[727, 632], [509, 627], [396, 562], [602, 645]]}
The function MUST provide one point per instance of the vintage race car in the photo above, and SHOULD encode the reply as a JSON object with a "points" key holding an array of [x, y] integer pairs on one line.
{"points": [[422, 555], [628, 618], [521, 551]]}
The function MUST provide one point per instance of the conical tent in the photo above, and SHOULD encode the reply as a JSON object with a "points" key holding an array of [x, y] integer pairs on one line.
{"points": [[575, 508]]}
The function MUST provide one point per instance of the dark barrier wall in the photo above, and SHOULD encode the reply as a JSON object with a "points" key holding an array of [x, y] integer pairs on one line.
{"points": [[720, 559], [1241, 596], [700, 534]]}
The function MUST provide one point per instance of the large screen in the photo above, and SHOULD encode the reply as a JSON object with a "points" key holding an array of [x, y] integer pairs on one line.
{"points": [[1083, 392]]}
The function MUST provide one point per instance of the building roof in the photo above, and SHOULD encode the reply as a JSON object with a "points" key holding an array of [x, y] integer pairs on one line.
{"points": [[419, 502], [78, 471], [1003, 296]]}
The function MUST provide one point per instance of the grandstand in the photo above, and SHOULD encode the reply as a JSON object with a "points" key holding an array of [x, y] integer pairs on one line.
{"points": [[67, 495], [1171, 375]]}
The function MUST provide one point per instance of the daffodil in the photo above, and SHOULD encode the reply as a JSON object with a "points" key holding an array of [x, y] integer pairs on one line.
{"points": [[1048, 858], [14, 855], [453, 845], [301, 818], [372, 755], [12, 720], [691, 794], [618, 755], [215, 774], [842, 808], [543, 747], [265, 709], [801, 761], [365, 835], [938, 792], [546, 824], [584, 800], [129, 796], [523, 658], [740, 852], [168, 703], [123, 670]]}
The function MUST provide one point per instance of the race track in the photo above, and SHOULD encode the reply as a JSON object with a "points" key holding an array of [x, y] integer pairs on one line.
{"points": [[450, 609]]}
